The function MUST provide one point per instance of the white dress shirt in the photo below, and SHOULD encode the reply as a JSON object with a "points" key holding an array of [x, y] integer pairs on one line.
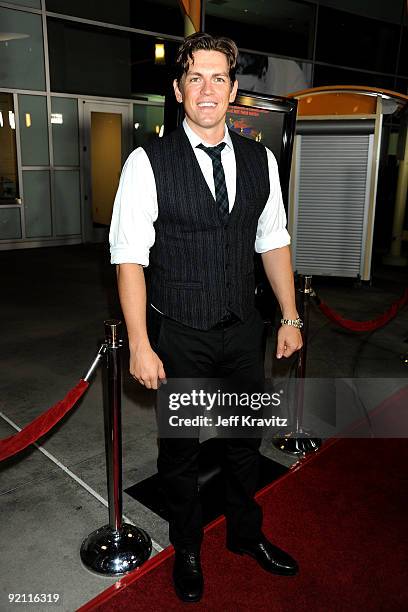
{"points": [[135, 210]]}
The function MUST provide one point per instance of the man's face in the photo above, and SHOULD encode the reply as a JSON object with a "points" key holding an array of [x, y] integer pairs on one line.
{"points": [[206, 90]]}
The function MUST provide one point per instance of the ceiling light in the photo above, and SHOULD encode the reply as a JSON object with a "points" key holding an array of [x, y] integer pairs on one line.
{"points": [[159, 53], [6, 36]]}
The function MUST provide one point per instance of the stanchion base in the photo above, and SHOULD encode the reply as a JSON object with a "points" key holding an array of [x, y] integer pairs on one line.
{"points": [[112, 553], [297, 443]]}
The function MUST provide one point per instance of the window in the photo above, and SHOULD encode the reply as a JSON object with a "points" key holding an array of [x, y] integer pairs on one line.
{"points": [[64, 123], [31, 3], [284, 28], [350, 40], [33, 130], [97, 61], [272, 75], [390, 10], [331, 75], [147, 123], [403, 54], [162, 16], [21, 50], [9, 189]]}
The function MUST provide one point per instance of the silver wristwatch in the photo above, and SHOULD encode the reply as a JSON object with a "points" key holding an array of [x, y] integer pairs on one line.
{"points": [[294, 322]]}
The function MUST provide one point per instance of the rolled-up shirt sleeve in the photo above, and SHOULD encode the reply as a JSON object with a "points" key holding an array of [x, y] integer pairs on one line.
{"points": [[135, 210], [271, 232]]}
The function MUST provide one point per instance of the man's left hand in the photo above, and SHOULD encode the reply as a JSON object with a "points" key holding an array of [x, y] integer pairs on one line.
{"points": [[289, 341]]}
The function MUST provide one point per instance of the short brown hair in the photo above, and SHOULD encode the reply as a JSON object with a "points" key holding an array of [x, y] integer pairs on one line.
{"points": [[199, 41]]}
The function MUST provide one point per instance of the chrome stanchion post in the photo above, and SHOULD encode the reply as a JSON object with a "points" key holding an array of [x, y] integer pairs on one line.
{"points": [[114, 424], [300, 441], [118, 547]]}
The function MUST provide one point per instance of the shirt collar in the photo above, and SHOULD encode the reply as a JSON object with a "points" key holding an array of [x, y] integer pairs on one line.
{"points": [[195, 139]]}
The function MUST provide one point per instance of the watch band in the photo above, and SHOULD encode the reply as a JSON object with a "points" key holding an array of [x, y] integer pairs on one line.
{"points": [[294, 322]]}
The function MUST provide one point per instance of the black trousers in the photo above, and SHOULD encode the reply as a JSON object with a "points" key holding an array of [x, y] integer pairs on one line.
{"points": [[236, 355]]}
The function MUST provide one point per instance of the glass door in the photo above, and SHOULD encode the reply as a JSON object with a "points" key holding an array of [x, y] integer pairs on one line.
{"points": [[107, 131]]}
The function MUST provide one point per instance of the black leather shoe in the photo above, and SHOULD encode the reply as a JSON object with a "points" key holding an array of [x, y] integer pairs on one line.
{"points": [[188, 576], [270, 557]]}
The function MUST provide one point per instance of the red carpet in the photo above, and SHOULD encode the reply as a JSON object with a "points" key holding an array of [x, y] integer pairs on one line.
{"points": [[343, 514]]}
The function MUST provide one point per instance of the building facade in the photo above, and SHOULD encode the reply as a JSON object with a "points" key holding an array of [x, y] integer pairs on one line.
{"points": [[83, 82]]}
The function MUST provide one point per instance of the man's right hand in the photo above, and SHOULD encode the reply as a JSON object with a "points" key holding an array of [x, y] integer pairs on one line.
{"points": [[146, 367]]}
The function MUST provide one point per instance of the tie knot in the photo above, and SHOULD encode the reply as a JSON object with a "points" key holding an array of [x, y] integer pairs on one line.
{"points": [[213, 152]]}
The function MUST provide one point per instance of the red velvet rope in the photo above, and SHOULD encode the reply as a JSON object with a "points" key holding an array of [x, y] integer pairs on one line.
{"points": [[42, 424], [361, 326]]}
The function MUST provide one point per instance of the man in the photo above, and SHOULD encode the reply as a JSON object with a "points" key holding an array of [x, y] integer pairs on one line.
{"points": [[192, 205]]}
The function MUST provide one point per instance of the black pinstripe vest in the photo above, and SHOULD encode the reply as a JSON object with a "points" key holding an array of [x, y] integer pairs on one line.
{"points": [[199, 269]]}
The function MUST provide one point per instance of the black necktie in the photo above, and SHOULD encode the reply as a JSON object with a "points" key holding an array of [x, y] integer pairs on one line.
{"points": [[221, 194]]}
